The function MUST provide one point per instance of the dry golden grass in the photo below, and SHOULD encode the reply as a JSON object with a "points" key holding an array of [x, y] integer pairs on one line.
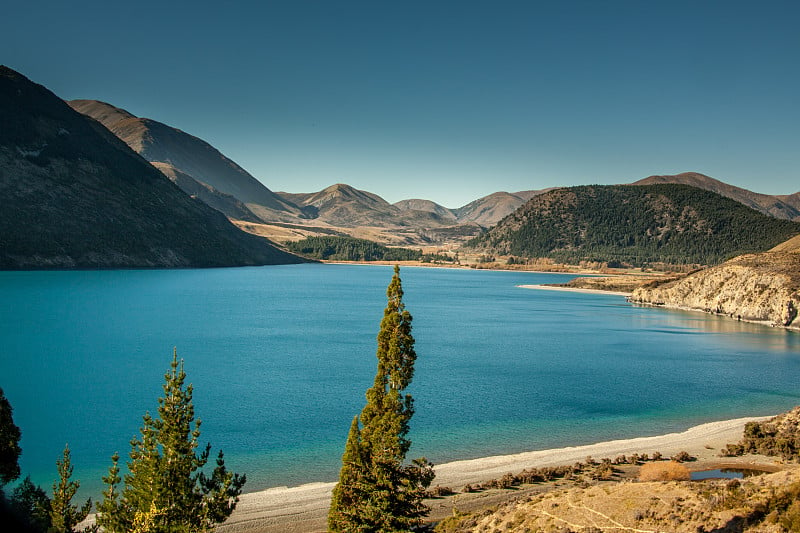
{"points": [[664, 471]]}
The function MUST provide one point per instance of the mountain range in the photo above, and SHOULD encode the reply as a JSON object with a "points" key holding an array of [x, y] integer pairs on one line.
{"points": [[75, 196], [202, 171], [209, 178], [205, 173]]}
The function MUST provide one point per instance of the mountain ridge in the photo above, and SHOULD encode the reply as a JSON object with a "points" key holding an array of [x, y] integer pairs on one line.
{"points": [[75, 196], [159, 142], [776, 206]]}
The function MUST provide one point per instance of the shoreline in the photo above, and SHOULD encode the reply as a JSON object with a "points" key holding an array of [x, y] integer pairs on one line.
{"points": [[577, 271], [304, 508], [574, 289]]}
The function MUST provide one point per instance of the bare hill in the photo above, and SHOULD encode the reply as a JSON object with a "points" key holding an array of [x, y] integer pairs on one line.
{"points": [[491, 209], [426, 206], [158, 142]]}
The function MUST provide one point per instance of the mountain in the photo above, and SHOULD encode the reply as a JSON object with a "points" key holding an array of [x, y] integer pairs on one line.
{"points": [[634, 224], [785, 207], [426, 206], [792, 200], [342, 205], [491, 209], [762, 287], [157, 142], [75, 196], [345, 206]]}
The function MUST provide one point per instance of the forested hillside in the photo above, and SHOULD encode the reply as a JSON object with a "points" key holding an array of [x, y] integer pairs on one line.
{"points": [[637, 225]]}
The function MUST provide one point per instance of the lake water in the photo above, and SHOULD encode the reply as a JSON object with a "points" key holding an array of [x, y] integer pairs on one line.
{"points": [[280, 358]]}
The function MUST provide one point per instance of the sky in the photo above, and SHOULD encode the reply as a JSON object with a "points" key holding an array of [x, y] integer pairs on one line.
{"points": [[443, 100]]}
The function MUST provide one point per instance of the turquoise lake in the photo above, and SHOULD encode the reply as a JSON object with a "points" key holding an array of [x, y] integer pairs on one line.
{"points": [[280, 358]]}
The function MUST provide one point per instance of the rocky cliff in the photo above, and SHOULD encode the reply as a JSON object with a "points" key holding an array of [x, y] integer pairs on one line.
{"points": [[761, 287]]}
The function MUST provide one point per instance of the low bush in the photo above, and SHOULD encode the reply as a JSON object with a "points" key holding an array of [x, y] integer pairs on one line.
{"points": [[682, 457], [664, 471]]}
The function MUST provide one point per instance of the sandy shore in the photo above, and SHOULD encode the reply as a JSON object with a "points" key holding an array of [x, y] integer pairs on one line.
{"points": [[304, 508], [572, 289]]}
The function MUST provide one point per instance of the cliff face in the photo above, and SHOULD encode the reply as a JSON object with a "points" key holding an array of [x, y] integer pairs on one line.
{"points": [[761, 287]]}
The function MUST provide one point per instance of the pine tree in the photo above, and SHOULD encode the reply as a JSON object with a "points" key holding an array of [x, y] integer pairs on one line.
{"points": [[63, 515], [165, 489], [377, 492]]}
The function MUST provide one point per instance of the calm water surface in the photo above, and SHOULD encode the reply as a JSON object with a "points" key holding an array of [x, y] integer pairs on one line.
{"points": [[280, 358]]}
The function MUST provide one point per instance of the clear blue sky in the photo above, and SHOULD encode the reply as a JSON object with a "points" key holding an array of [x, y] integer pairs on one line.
{"points": [[447, 101]]}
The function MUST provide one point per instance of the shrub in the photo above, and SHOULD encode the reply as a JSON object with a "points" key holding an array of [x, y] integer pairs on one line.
{"points": [[682, 457], [670, 471], [439, 492]]}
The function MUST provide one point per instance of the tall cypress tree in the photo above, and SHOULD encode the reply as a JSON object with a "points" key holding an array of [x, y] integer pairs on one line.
{"points": [[377, 492], [165, 490]]}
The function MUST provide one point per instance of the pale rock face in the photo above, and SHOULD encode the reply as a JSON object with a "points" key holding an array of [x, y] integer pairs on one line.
{"points": [[754, 287]]}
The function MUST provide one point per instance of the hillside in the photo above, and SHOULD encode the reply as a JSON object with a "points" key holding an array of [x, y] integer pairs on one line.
{"points": [[777, 206], [225, 203], [761, 287], [75, 196], [191, 156], [489, 210], [637, 225]]}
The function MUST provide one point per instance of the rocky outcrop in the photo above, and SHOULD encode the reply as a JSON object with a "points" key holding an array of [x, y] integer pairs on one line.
{"points": [[761, 288]]}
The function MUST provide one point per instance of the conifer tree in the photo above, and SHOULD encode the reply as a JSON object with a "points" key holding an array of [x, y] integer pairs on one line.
{"points": [[63, 515], [377, 492], [165, 489]]}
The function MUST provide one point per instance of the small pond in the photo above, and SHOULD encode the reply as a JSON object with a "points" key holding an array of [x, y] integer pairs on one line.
{"points": [[726, 473]]}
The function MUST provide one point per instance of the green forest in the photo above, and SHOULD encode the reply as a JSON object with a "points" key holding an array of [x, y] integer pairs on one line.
{"points": [[352, 249], [637, 225]]}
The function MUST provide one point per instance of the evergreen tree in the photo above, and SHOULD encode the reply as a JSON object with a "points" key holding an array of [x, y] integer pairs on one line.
{"points": [[377, 492], [63, 515], [9, 444], [165, 490]]}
